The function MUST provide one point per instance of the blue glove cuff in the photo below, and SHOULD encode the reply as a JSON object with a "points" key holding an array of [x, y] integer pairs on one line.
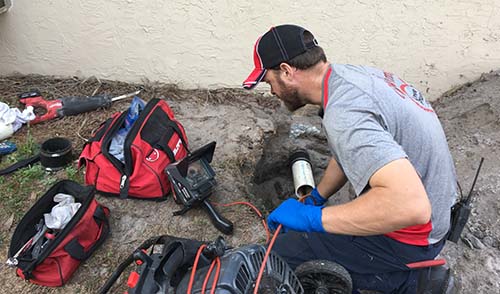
{"points": [[315, 219], [320, 200]]}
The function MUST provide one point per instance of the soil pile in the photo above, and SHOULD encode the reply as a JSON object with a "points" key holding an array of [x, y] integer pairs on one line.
{"points": [[471, 119]]}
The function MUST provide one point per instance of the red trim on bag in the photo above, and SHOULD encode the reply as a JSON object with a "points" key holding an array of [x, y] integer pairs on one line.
{"points": [[20, 273], [61, 276], [133, 279]]}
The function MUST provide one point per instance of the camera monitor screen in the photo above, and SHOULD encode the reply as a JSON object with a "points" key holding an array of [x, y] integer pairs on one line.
{"points": [[197, 173]]}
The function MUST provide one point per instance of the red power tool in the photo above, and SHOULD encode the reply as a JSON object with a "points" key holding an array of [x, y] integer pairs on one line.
{"points": [[70, 105]]}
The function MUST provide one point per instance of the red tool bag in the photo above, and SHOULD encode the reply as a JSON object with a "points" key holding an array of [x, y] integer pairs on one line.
{"points": [[64, 250], [155, 139]]}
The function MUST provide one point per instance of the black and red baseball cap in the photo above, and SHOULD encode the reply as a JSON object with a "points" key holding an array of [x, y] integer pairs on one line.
{"points": [[279, 44]]}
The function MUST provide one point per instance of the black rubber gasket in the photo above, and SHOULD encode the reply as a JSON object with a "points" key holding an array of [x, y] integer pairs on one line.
{"points": [[55, 153]]}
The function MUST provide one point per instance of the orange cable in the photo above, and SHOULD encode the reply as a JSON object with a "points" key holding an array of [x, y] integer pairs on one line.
{"points": [[255, 209], [207, 276], [193, 270], [216, 278], [264, 261]]}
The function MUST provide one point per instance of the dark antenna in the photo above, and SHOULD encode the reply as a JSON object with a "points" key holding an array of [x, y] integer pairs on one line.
{"points": [[461, 192], [468, 199]]}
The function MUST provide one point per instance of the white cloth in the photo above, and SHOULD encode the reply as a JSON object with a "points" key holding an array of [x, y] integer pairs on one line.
{"points": [[62, 213], [14, 116]]}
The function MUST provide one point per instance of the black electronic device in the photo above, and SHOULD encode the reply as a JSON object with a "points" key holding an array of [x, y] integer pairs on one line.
{"points": [[193, 181], [460, 212], [164, 265]]}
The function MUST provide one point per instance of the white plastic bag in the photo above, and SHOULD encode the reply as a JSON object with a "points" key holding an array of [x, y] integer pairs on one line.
{"points": [[62, 213], [15, 117]]}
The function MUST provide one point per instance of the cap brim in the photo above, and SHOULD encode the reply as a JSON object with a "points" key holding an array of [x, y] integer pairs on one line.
{"points": [[254, 78]]}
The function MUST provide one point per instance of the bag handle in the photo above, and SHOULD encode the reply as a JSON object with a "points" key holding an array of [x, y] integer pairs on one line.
{"points": [[176, 129], [167, 135], [76, 250]]}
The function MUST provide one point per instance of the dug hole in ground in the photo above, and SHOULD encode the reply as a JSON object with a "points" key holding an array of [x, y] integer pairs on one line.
{"points": [[255, 137]]}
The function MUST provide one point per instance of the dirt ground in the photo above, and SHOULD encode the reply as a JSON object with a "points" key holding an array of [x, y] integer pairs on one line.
{"points": [[255, 136]]}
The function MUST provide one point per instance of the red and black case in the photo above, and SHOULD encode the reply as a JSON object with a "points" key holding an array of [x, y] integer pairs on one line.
{"points": [[155, 139], [85, 232]]}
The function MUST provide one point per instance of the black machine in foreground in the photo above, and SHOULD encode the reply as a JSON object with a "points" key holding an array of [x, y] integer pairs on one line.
{"points": [[164, 265], [193, 181], [166, 268]]}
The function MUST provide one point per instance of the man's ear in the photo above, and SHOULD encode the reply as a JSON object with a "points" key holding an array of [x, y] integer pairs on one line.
{"points": [[286, 70]]}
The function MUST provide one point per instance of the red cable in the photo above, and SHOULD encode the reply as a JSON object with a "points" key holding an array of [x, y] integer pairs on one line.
{"points": [[216, 279], [268, 251], [207, 276], [302, 198], [268, 234], [193, 271], [257, 211], [216, 261], [264, 261]]}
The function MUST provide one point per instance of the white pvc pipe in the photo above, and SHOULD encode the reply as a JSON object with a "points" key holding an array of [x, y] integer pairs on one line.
{"points": [[303, 179]]}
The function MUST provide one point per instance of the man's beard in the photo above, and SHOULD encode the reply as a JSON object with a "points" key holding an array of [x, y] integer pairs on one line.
{"points": [[290, 97]]}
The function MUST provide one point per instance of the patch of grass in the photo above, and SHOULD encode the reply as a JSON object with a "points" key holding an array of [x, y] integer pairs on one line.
{"points": [[33, 172], [28, 148], [16, 189], [24, 150], [48, 180], [74, 174], [20, 189]]}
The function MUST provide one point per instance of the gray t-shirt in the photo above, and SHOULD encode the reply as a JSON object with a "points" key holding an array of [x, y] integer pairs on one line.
{"points": [[371, 118]]}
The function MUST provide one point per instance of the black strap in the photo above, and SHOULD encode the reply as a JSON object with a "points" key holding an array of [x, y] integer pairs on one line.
{"points": [[165, 140], [179, 132], [20, 164], [76, 250], [170, 154], [100, 216]]}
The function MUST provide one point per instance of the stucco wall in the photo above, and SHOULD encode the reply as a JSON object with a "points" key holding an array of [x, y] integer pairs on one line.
{"points": [[208, 43]]}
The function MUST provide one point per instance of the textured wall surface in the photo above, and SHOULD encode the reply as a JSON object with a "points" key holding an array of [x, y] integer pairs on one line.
{"points": [[208, 43]]}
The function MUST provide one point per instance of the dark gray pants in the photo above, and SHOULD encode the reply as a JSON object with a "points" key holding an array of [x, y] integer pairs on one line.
{"points": [[374, 262]]}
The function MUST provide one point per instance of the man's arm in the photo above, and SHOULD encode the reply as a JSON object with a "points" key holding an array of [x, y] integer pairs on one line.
{"points": [[333, 179], [396, 199]]}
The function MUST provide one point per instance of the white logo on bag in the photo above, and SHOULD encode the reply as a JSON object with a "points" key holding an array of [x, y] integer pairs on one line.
{"points": [[153, 156], [177, 147]]}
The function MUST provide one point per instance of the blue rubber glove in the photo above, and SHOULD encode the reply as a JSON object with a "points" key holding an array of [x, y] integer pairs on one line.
{"points": [[296, 216], [315, 198]]}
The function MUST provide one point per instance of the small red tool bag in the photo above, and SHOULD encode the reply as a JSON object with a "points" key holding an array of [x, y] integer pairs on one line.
{"points": [[154, 140], [58, 252]]}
